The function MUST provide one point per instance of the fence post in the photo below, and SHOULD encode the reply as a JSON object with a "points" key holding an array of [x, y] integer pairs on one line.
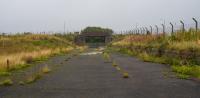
{"points": [[151, 29], [143, 29], [156, 29], [134, 31], [147, 31], [196, 24], [163, 29], [138, 31], [183, 26], [172, 28], [8, 64]]}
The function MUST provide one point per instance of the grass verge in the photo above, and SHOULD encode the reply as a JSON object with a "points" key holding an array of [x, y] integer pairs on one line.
{"points": [[6, 82], [185, 72]]}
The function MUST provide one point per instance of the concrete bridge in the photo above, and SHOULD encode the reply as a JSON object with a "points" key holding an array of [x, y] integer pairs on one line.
{"points": [[93, 39]]}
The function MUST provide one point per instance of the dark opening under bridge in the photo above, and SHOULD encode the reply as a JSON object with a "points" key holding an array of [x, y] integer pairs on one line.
{"points": [[93, 39]]}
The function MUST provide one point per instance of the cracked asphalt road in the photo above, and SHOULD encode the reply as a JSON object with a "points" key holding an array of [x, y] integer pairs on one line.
{"points": [[88, 76]]}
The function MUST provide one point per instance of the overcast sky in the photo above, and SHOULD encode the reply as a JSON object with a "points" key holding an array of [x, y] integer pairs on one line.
{"points": [[49, 15]]}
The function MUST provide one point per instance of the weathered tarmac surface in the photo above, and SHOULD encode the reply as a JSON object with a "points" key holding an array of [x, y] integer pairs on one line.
{"points": [[88, 76]]}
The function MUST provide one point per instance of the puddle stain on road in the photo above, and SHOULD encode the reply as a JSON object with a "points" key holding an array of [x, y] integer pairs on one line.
{"points": [[91, 53]]}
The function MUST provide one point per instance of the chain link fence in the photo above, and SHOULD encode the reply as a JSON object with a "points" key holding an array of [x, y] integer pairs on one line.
{"points": [[167, 28]]}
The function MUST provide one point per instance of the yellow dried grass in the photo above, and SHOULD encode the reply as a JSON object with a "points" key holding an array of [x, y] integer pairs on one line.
{"points": [[20, 58]]}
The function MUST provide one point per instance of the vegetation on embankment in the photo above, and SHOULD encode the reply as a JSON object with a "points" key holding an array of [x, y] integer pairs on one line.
{"points": [[17, 51], [180, 50]]}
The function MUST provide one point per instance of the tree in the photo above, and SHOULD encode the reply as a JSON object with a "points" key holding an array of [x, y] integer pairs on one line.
{"points": [[97, 30]]}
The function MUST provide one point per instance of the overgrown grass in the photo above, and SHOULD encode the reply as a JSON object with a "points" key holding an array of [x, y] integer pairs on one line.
{"points": [[21, 51], [18, 51], [5, 73], [187, 71], [187, 42], [36, 76], [148, 58], [6, 82]]}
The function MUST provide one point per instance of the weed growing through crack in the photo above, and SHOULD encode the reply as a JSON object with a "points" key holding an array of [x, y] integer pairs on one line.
{"points": [[21, 83], [46, 69], [118, 68], [114, 64], [106, 56], [33, 78], [125, 75]]}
